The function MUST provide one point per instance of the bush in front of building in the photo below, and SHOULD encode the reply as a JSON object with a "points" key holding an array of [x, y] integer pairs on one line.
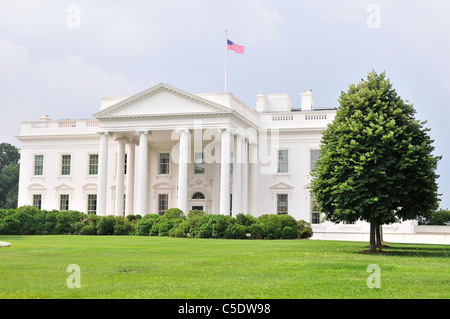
{"points": [[29, 220]]}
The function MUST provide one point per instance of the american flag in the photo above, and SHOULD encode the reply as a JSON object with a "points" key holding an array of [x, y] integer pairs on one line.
{"points": [[236, 48]]}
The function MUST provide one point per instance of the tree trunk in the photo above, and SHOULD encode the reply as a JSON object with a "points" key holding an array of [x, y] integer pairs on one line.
{"points": [[372, 246], [378, 236]]}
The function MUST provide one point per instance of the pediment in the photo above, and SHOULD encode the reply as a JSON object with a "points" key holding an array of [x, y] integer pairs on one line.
{"points": [[35, 187], [161, 100], [281, 185], [163, 185], [63, 187], [90, 186]]}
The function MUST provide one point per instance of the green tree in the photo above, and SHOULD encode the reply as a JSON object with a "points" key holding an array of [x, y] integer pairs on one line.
{"points": [[376, 162], [9, 175]]}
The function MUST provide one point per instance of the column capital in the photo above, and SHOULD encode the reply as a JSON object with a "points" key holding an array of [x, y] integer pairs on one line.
{"points": [[106, 133], [226, 130], [121, 139], [131, 142], [145, 132], [182, 130]]}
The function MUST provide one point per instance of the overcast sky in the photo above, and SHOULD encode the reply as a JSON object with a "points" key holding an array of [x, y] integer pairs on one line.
{"points": [[60, 57]]}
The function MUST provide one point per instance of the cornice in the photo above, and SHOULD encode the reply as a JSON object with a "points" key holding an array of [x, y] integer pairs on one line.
{"points": [[168, 115], [57, 137]]}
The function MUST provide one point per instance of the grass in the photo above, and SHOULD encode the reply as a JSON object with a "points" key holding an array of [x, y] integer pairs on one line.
{"points": [[161, 267]]}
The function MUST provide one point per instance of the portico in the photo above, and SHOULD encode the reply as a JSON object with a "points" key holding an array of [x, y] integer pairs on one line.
{"points": [[172, 155]]}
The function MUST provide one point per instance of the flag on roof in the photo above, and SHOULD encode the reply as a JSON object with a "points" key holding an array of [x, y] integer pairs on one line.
{"points": [[236, 48]]}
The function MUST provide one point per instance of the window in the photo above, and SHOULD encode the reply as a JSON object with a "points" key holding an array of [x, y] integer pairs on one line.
{"points": [[37, 201], [199, 163], [283, 161], [93, 164], [282, 203], [164, 162], [125, 165], [198, 195], [315, 215], [231, 204], [39, 165], [92, 204], [64, 202], [231, 162], [65, 165], [314, 157], [163, 203]]}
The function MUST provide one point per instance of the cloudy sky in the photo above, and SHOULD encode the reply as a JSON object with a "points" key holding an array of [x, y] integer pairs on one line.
{"points": [[60, 57]]}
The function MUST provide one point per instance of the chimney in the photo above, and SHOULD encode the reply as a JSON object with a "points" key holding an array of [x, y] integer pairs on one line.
{"points": [[261, 102], [307, 100], [45, 118]]}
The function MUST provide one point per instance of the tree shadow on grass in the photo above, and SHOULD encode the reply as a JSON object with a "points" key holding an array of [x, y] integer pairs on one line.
{"points": [[406, 251], [420, 251], [9, 238]]}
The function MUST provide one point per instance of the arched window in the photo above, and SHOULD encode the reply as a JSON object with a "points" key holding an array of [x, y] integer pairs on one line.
{"points": [[198, 195]]}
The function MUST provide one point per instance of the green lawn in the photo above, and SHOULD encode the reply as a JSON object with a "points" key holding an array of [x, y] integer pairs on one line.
{"points": [[163, 267]]}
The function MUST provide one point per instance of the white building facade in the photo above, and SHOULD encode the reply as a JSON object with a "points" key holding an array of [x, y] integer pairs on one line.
{"points": [[164, 148]]}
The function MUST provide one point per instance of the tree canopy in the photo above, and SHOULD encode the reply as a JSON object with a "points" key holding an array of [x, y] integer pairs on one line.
{"points": [[376, 162], [9, 175]]}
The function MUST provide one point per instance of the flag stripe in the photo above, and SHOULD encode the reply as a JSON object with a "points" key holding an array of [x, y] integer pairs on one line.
{"points": [[234, 47]]}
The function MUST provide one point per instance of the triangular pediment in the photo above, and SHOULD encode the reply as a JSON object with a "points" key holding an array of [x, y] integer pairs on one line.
{"points": [[161, 100], [64, 187], [281, 185]]}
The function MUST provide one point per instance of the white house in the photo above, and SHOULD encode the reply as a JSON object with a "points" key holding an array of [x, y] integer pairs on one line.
{"points": [[164, 147]]}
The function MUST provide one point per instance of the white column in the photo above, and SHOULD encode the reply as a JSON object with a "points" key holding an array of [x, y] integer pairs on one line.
{"points": [[120, 176], [102, 173], [244, 172], [142, 192], [131, 157], [183, 169], [253, 178], [224, 208], [236, 203]]}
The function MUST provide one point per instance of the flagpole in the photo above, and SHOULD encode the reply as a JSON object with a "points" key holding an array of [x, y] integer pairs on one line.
{"points": [[226, 49]]}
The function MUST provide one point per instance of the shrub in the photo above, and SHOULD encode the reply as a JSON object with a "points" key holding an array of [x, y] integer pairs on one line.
{"points": [[88, 229], [245, 220], [144, 225], [304, 229], [9, 226], [163, 227], [65, 221], [235, 231], [105, 225], [181, 230], [255, 230], [288, 233], [25, 220], [219, 224], [270, 226], [195, 213], [173, 213], [119, 227], [205, 231]]}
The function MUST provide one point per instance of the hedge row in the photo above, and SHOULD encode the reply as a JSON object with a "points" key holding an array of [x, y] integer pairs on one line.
{"points": [[29, 220]]}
